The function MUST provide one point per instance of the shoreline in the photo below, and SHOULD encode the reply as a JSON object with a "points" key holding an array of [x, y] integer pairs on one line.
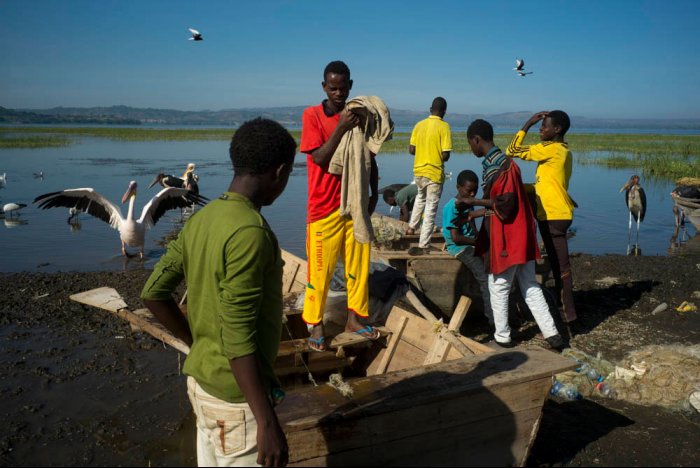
{"points": [[80, 388]]}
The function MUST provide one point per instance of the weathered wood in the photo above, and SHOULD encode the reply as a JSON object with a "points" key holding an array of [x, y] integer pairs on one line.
{"points": [[290, 274], [297, 282], [394, 418], [391, 346], [460, 313]]}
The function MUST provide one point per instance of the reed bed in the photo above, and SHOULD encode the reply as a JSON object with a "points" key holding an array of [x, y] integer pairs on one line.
{"points": [[670, 156]]}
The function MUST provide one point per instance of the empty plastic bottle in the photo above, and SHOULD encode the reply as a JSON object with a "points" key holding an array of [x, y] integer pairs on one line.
{"points": [[566, 391], [591, 372], [606, 390]]}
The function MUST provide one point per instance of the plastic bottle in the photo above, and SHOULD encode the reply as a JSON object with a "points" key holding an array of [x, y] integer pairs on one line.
{"points": [[606, 390], [591, 372], [566, 391]]}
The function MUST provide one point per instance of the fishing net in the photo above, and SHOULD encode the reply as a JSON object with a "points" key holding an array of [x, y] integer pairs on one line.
{"points": [[385, 232]]}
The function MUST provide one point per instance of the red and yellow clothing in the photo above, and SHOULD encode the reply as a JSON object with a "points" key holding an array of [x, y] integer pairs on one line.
{"points": [[324, 187], [328, 234], [554, 162]]}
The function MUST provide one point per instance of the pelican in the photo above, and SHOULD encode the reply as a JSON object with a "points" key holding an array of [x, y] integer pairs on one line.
{"points": [[520, 67], [196, 35], [132, 232], [10, 208], [636, 201], [3, 178]]}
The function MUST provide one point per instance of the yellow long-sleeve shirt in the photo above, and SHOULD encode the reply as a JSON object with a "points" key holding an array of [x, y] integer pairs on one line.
{"points": [[554, 163]]}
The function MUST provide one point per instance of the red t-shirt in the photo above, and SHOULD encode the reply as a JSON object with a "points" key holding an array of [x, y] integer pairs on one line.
{"points": [[324, 187]]}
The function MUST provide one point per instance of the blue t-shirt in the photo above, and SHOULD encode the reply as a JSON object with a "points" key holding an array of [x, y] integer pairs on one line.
{"points": [[449, 212]]}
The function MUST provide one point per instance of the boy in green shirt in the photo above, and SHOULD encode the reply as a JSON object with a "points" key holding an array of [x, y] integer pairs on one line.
{"points": [[231, 261], [404, 198]]}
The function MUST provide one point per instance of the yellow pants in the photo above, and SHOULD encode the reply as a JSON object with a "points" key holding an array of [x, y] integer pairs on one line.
{"points": [[325, 240]]}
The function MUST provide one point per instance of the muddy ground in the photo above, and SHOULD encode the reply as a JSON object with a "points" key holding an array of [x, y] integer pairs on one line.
{"points": [[79, 388]]}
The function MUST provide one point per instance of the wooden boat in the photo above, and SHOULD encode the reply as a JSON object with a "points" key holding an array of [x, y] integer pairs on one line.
{"points": [[691, 209], [441, 278], [425, 394]]}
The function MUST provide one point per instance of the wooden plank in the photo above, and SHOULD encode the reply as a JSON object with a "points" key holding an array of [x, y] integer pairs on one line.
{"points": [[460, 313], [440, 348], [298, 282], [350, 338], [290, 273], [103, 298], [404, 255], [145, 321], [391, 346]]}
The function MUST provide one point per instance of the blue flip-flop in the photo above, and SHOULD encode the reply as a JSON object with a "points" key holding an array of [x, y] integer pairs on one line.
{"points": [[369, 329], [318, 342]]}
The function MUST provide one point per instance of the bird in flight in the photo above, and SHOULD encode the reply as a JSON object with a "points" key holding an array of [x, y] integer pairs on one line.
{"points": [[520, 67], [196, 35]]}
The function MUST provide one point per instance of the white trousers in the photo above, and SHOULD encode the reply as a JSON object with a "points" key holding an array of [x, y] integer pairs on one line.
{"points": [[226, 432], [427, 200], [499, 289]]}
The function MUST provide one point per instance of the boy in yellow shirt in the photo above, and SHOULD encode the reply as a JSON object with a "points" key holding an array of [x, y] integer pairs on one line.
{"points": [[431, 144], [555, 208]]}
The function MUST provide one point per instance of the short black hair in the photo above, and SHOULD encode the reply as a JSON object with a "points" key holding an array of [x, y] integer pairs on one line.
{"points": [[388, 193], [260, 145], [481, 128], [338, 67], [467, 176], [561, 118], [439, 104]]}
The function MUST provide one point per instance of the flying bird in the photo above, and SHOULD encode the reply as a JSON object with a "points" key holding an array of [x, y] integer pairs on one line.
{"points": [[520, 67], [636, 201], [11, 208], [196, 35], [132, 232]]}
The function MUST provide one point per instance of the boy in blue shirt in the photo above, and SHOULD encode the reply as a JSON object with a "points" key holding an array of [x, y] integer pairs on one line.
{"points": [[460, 234]]}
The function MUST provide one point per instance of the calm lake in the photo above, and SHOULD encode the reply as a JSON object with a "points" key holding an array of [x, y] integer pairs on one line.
{"points": [[43, 240]]}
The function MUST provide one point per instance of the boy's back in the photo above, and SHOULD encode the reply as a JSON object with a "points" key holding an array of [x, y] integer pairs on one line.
{"points": [[431, 137]]}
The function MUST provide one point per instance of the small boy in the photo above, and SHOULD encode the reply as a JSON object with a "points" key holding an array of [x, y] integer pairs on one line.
{"points": [[460, 234], [508, 238], [232, 263], [431, 144], [404, 198], [555, 208]]}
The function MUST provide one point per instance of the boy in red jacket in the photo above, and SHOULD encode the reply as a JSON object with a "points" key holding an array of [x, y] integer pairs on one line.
{"points": [[507, 239]]}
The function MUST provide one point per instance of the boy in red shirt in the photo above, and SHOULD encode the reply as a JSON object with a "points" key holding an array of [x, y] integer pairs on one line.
{"points": [[327, 233]]}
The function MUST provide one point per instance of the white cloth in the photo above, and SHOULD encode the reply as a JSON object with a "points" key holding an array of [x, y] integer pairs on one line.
{"points": [[226, 432], [426, 205], [499, 288], [353, 161]]}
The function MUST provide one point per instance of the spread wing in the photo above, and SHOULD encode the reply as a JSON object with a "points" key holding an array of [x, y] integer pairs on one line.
{"points": [[83, 199], [168, 199], [194, 31]]}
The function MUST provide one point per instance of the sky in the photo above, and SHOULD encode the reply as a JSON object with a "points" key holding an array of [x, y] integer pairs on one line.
{"points": [[609, 59]]}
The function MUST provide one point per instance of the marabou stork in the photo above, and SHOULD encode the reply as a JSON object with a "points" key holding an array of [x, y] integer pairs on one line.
{"points": [[636, 201]]}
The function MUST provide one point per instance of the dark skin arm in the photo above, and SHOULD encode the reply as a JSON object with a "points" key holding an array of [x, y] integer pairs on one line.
{"points": [[459, 239], [533, 120], [169, 314], [272, 443], [323, 154], [485, 202], [405, 215]]}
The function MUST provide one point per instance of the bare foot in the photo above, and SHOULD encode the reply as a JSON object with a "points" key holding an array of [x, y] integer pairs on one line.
{"points": [[410, 231], [353, 325]]}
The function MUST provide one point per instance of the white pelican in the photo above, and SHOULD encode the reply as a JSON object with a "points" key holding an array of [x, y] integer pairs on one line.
{"points": [[10, 208], [196, 35], [636, 201], [132, 232], [3, 178]]}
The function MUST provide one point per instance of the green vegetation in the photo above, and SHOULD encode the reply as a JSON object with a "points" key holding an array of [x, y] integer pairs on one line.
{"points": [[34, 141], [658, 155]]}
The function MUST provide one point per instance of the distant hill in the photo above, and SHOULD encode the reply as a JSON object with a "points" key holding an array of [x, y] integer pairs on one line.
{"points": [[43, 117], [291, 116]]}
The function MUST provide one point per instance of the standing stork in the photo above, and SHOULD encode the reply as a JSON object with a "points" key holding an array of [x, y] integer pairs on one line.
{"points": [[132, 232], [636, 201]]}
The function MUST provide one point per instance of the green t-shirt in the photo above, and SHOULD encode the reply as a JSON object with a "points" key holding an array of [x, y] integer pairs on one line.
{"points": [[232, 264], [407, 196]]}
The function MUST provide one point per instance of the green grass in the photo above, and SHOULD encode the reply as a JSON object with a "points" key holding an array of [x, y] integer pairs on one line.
{"points": [[34, 141], [658, 155]]}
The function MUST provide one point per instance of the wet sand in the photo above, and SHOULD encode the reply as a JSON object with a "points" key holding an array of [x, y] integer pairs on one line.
{"points": [[79, 388]]}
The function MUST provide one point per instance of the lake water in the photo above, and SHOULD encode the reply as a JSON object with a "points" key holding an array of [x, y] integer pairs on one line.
{"points": [[42, 240]]}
